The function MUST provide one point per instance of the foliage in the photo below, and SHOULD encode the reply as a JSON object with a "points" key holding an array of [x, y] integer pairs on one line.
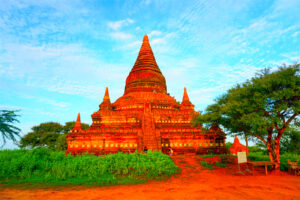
{"points": [[260, 156], [227, 159], [42, 165], [50, 134], [218, 164], [257, 148], [43, 135], [207, 165], [7, 129], [210, 155], [228, 145], [261, 108], [290, 142], [61, 142]]}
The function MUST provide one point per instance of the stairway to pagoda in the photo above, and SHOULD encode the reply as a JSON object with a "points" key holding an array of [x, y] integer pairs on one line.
{"points": [[149, 138]]}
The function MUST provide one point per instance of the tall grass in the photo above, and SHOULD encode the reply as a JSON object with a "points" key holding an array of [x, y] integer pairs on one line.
{"points": [[55, 168], [260, 156]]}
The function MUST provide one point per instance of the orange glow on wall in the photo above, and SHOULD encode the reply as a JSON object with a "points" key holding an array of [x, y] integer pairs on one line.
{"points": [[145, 116]]}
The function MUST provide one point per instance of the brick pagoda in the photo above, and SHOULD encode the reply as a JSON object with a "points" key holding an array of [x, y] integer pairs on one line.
{"points": [[145, 116]]}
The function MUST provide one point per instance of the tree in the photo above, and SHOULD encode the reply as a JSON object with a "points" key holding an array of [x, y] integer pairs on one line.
{"points": [[50, 134], [43, 135], [290, 142], [261, 108], [7, 129]]}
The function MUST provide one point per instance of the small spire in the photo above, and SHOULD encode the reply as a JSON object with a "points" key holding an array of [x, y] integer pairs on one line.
{"points": [[236, 140], [106, 95], [145, 39], [77, 123], [106, 105], [185, 96]]}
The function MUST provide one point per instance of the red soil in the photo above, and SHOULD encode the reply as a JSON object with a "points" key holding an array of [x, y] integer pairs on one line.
{"points": [[192, 183]]}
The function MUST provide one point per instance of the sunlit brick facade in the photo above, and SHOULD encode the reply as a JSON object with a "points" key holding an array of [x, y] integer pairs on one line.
{"points": [[145, 116]]}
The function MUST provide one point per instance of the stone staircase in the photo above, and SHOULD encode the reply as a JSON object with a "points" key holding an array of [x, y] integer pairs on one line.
{"points": [[149, 137]]}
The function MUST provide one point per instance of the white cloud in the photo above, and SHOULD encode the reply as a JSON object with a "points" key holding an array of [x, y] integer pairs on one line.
{"points": [[121, 36], [118, 24], [10, 107], [145, 2], [154, 33], [54, 103], [158, 41]]}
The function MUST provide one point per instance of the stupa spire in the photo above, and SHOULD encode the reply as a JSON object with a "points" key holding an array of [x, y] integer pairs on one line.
{"points": [[185, 97], [106, 95], [186, 104], [106, 105], [146, 39], [77, 125], [145, 75]]}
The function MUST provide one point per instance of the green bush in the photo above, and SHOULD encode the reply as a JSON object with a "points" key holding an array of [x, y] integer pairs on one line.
{"points": [[218, 164], [207, 165], [260, 156], [55, 168]]}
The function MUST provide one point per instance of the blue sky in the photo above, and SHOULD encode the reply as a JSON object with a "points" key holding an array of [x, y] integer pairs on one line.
{"points": [[57, 57]]}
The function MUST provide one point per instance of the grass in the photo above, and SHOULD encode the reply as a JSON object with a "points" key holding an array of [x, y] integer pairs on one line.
{"points": [[260, 156], [218, 164], [207, 165], [46, 167], [212, 155], [257, 156]]}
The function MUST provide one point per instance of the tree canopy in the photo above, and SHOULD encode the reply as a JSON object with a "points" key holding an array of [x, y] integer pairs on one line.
{"points": [[261, 108], [49, 134], [7, 128]]}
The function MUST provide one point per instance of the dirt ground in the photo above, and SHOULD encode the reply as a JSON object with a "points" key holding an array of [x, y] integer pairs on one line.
{"points": [[192, 183]]}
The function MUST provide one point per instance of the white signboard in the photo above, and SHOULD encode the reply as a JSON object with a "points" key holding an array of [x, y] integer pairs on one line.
{"points": [[242, 157]]}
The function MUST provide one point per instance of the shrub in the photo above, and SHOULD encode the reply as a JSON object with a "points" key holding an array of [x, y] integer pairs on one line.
{"points": [[260, 156], [46, 166], [207, 165], [218, 164]]}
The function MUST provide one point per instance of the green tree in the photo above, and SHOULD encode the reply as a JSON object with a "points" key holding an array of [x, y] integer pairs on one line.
{"points": [[7, 129], [290, 141], [43, 135], [261, 108], [50, 134]]}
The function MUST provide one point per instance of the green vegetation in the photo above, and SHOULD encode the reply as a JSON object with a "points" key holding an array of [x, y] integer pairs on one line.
{"points": [[8, 131], [290, 142], [207, 165], [218, 164], [50, 134], [262, 108], [260, 156], [46, 167], [213, 155]]}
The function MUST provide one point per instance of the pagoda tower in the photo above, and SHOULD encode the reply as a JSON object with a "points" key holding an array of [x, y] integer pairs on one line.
{"points": [[145, 116]]}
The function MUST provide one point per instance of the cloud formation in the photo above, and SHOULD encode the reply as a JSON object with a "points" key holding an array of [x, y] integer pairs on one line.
{"points": [[116, 25]]}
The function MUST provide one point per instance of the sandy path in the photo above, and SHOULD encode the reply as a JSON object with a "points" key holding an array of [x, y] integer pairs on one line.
{"points": [[192, 183]]}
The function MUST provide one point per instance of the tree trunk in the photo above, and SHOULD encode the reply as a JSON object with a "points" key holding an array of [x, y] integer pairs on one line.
{"points": [[270, 151], [246, 140], [277, 155]]}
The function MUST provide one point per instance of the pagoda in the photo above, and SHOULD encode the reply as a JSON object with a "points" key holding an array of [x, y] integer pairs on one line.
{"points": [[238, 147], [146, 116]]}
